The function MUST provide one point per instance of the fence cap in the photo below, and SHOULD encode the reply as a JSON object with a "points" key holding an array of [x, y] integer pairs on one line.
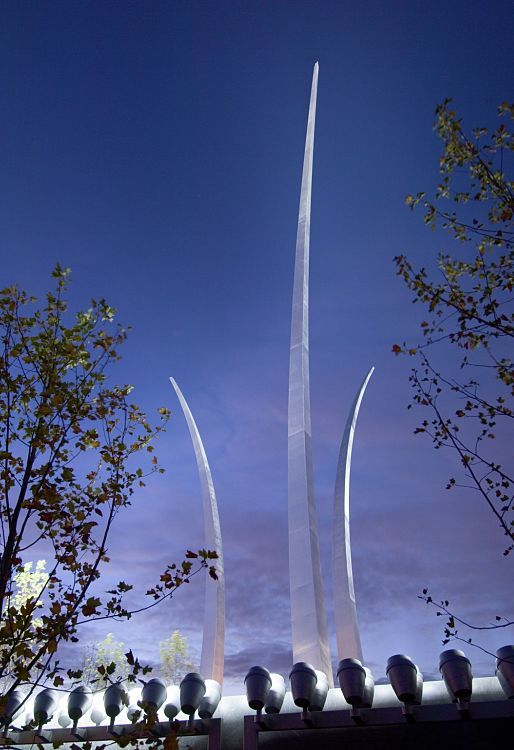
{"points": [[193, 677], [505, 653], [349, 664], [261, 671], [452, 654], [398, 660], [303, 666]]}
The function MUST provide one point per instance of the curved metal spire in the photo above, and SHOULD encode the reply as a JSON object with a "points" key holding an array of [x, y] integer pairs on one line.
{"points": [[213, 645], [308, 619], [345, 610]]}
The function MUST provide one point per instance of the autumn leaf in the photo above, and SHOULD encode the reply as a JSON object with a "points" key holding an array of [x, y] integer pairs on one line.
{"points": [[130, 658]]}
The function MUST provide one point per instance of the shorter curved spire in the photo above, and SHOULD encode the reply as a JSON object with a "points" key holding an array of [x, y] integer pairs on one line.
{"points": [[213, 645], [345, 610]]}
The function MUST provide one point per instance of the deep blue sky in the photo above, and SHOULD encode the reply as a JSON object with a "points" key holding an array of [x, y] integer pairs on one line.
{"points": [[156, 148]]}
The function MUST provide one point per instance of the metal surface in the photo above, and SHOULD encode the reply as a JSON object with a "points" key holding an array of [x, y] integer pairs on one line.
{"points": [[368, 719], [233, 711], [213, 645], [308, 619], [209, 727], [345, 610]]}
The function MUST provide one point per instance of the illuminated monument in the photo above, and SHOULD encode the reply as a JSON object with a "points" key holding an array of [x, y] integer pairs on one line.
{"points": [[405, 713], [213, 646], [308, 619], [345, 609]]}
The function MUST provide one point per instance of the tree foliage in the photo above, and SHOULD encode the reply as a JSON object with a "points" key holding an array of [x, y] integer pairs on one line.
{"points": [[464, 376], [70, 451], [26, 585], [105, 662], [175, 661], [453, 623]]}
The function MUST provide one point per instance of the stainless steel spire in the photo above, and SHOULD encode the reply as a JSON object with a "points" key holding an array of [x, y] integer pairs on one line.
{"points": [[308, 619], [345, 611], [213, 645]]}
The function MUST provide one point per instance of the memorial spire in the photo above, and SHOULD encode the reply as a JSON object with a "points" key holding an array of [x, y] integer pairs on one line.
{"points": [[308, 618], [213, 645]]}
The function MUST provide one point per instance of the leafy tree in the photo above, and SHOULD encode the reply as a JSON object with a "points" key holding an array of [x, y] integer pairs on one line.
{"points": [[69, 444], [471, 311], [110, 654], [464, 376], [27, 584], [175, 660]]}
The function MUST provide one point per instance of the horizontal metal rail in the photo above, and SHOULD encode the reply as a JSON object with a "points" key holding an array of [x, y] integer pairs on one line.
{"points": [[209, 727], [372, 717]]}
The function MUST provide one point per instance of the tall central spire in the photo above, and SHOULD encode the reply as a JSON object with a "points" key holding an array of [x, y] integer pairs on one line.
{"points": [[308, 619]]}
